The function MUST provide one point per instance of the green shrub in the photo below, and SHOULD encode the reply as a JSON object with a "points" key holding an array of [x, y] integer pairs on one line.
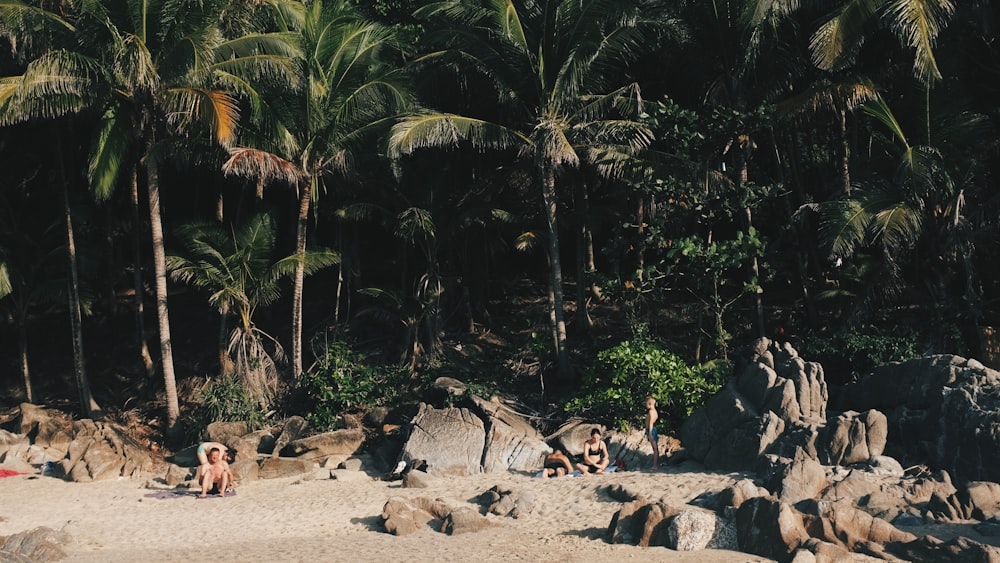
{"points": [[223, 399], [853, 353], [615, 388], [341, 381]]}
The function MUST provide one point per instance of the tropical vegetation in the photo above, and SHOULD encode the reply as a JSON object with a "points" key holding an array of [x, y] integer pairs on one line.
{"points": [[577, 202]]}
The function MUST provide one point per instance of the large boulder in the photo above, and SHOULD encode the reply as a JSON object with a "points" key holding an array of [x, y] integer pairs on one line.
{"points": [[38, 544], [769, 528], [320, 446], [692, 530], [402, 517], [451, 440], [512, 444]]}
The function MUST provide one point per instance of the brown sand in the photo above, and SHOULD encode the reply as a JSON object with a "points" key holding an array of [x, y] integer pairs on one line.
{"points": [[338, 520]]}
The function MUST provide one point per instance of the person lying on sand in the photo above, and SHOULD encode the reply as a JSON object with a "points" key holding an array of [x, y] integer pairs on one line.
{"points": [[215, 475], [557, 464], [595, 454]]}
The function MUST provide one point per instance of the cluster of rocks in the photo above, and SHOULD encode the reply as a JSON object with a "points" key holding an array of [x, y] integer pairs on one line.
{"points": [[31, 546], [86, 450], [78, 450], [822, 484], [402, 516], [489, 437]]}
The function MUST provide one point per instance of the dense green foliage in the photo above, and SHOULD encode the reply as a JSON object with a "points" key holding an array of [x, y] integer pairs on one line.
{"points": [[343, 380], [520, 183], [223, 399], [858, 350], [616, 386]]}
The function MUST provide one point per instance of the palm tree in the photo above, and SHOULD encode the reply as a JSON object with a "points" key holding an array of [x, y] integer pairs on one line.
{"points": [[238, 270], [54, 83], [349, 93], [551, 67]]}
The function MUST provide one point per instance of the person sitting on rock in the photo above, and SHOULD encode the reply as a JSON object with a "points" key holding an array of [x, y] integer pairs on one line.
{"points": [[557, 464], [595, 454], [215, 475]]}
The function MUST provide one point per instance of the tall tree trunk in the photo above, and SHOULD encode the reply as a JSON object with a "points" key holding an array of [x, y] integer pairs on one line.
{"points": [[582, 273], [844, 156], [140, 320], [88, 405], [640, 232], [300, 272], [160, 277], [556, 313], [22, 349]]}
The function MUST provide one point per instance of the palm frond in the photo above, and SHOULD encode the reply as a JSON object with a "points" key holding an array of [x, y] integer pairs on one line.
{"points": [[55, 84], [260, 165], [448, 130], [918, 23], [836, 41], [843, 225], [526, 241], [5, 286], [109, 149]]}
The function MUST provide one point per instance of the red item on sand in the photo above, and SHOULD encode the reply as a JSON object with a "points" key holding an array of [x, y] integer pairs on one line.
{"points": [[8, 473]]}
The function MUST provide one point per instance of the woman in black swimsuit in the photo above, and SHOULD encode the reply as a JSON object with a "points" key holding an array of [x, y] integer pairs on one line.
{"points": [[595, 454]]}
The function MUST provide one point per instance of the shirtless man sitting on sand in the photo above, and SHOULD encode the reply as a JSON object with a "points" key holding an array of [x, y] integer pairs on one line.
{"points": [[215, 474]]}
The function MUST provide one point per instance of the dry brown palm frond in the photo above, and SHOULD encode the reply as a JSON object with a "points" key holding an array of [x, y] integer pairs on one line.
{"points": [[262, 166]]}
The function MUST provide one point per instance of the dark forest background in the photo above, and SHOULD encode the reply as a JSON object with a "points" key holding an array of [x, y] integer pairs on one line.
{"points": [[573, 204]]}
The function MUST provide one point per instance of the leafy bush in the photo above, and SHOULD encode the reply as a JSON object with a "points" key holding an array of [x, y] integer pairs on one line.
{"points": [[342, 381], [223, 399], [615, 388], [853, 353]]}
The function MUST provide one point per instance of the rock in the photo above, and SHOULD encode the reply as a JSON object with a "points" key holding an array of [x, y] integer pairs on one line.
{"points": [[339, 442], [571, 436], [450, 386], [885, 465], [631, 448], [512, 444], [293, 428], [627, 523], [176, 475], [942, 410], [277, 467], [451, 440], [99, 451], [38, 544], [691, 530], [853, 438], [17, 464], [844, 525], [226, 432], [984, 499], [465, 520], [623, 492], [245, 470], [740, 492], [404, 516], [769, 528], [418, 480], [930, 550], [249, 446], [13, 445]]}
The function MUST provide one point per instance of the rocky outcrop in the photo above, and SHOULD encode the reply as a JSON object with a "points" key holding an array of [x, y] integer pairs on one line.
{"points": [[943, 411], [778, 405], [485, 437]]}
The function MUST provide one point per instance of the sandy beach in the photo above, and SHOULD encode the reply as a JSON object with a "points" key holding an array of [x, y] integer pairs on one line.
{"points": [[338, 520]]}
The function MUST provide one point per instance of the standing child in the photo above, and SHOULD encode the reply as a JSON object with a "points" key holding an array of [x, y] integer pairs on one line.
{"points": [[654, 439]]}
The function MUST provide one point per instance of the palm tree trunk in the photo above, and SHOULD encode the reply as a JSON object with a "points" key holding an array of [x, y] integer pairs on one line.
{"points": [[160, 276], [88, 405], [556, 313], [22, 348], [140, 321], [300, 273], [582, 272], [845, 154]]}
